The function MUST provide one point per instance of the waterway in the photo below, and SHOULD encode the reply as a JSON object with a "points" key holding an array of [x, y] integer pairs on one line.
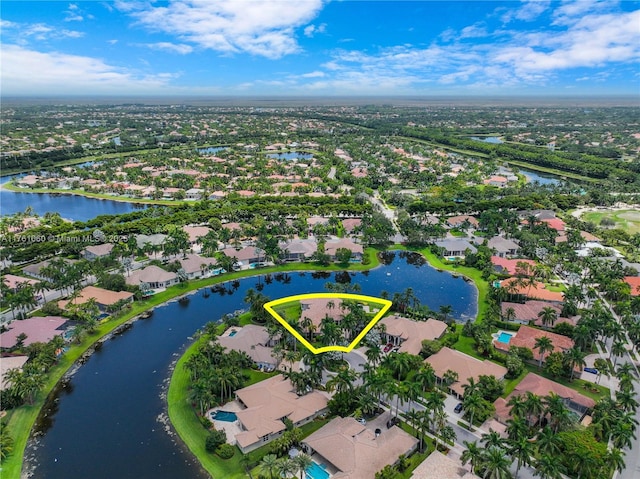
{"points": [[541, 178], [73, 207], [109, 420], [290, 156]]}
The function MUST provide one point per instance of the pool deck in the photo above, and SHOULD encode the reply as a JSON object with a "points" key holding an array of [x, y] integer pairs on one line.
{"points": [[231, 428]]}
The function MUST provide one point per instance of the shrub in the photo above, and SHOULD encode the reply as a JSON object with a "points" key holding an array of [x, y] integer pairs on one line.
{"points": [[51, 308], [215, 439], [226, 451]]}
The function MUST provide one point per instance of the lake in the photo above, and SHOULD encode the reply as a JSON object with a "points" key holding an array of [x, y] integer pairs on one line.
{"points": [[110, 420], [542, 178], [73, 207], [211, 149], [290, 156], [488, 139]]}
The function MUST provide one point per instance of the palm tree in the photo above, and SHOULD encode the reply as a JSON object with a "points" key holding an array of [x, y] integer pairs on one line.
{"points": [[425, 377], [517, 428], [574, 357], [492, 439], [495, 464], [374, 354], [627, 400], [618, 348], [473, 454], [343, 381], [548, 315], [602, 365], [548, 467], [522, 451], [445, 311], [615, 460], [547, 442], [472, 405], [302, 462], [518, 405], [543, 345], [269, 465], [285, 467]]}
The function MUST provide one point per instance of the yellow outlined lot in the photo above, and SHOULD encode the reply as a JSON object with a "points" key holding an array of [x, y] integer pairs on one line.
{"points": [[386, 304]]}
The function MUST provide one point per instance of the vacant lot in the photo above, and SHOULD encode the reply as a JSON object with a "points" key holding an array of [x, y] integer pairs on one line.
{"points": [[628, 220]]}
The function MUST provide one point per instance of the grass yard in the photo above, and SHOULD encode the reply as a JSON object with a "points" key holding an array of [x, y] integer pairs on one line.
{"points": [[627, 220]]}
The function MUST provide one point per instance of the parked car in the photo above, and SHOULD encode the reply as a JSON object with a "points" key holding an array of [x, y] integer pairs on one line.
{"points": [[591, 370], [387, 348], [458, 408], [362, 421], [392, 422]]}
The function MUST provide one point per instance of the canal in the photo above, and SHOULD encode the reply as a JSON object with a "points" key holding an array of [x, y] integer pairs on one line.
{"points": [[109, 420]]}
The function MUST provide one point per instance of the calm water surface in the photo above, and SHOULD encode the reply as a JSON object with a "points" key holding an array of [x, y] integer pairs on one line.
{"points": [[73, 207], [108, 421]]}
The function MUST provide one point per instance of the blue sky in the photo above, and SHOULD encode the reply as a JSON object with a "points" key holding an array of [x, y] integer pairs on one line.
{"points": [[316, 48]]}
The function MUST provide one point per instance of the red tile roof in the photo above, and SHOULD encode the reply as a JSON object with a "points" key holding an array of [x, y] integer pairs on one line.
{"points": [[526, 338], [634, 282]]}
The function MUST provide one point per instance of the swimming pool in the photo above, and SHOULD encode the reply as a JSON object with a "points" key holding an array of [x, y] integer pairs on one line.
{"points": [[504, 337], [317, 471], [232, 333], [224, 416]]}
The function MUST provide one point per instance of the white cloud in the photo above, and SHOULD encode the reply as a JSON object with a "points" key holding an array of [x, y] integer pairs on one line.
{"points": [[180, 48], [73, 14], [24, 32], [311, 30], [315, 74], [529, 11], [229, 26], [22, 74]]}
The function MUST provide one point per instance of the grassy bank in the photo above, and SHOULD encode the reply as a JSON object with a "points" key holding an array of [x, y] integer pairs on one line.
{"points": [[88, 194], [22, 419]]}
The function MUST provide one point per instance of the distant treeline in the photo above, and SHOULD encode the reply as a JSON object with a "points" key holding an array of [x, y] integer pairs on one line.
{"points": [[155, 219], [585, 165]]}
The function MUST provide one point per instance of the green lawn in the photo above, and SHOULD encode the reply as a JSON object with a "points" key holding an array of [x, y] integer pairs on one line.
{"points": [[577, 384], [628, 220]]}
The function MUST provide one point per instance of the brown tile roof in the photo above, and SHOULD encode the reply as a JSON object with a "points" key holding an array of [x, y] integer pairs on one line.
{"points": [[39, 329], [317, 309], [251, 339], [465, 365], [195, 232], [10, 362], [150, 274], [332, 246], [526, 338], [540, 387], [413, 332], [102, 296], [510, 265], [439, 466], [535, 291], [634, 282], [268, 402], [12, 281], [355, 450]]}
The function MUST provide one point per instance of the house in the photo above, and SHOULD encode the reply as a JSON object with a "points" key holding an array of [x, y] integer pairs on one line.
{"points": [[36, 270], [526, 338], [97, 251], [254, 341], [351, 224], [331, 248], [153, 277], [556, 224], [196, 266], [528, 312], [13, 282], [245, 256], [194, 193], [409, 334], [462, 220], [543, 387], [533, 290], [217, 195], [495, 180], [298, 249], [104, 298], [465, 366], [455, 248], [8, 363], [195, 232], [634, 283], [354, 451], [39, 329], [503, 265], [318, 309], [439, 466], [504, 247], [267, 403], [154, 240]]}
